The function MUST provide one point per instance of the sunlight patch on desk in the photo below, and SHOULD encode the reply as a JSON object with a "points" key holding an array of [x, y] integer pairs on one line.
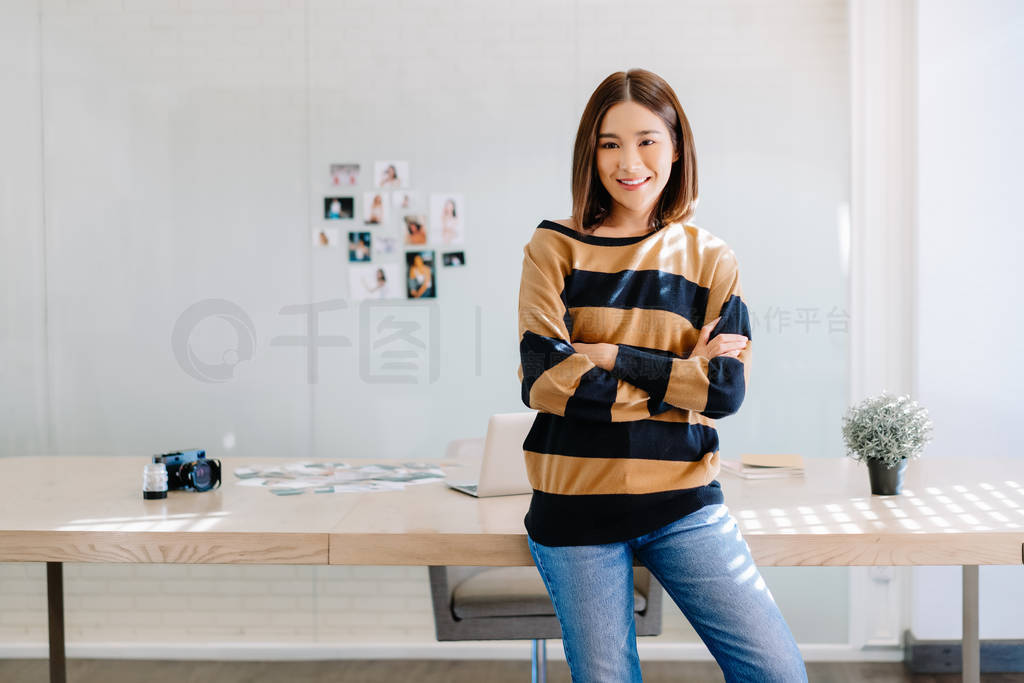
{"points": [[189, 521]]}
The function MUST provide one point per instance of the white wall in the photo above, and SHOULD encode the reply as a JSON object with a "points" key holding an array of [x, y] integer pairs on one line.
{"points": [[161, 153], [971, 66]]}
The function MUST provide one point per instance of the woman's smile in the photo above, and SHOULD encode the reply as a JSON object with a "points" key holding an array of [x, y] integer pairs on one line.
{"points": [[633, 183]]}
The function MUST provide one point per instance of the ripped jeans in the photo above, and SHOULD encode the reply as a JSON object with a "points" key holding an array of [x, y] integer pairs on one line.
{"points": [[704, 565]]}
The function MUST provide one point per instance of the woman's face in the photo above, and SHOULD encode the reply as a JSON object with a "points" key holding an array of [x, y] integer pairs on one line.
{"points": [[634, 143]]}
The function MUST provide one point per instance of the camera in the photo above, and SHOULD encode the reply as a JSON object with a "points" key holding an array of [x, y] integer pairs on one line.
{"points": [[190, 470]]}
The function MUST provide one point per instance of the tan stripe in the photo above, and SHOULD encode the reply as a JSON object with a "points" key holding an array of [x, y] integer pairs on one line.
{"points": [[700, 247], [649, 328], [570, 475], [683, 416], [630, 403], [688, 384]]}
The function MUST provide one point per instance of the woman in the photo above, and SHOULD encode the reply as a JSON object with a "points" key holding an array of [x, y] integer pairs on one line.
{"points": [[420, 280], [634, 339]]}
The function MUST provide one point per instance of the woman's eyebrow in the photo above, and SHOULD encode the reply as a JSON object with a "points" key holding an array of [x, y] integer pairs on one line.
{"points": [[638, 134]]}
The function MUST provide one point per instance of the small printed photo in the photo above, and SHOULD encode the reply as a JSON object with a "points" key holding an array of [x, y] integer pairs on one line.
{"points": [[359, 246], [446, 218], [405, 200], [339, 207], [385, 244], [415, 229], [453, 258], [326, 237], [368, 281], [375, 208], [420, 280], [344, 175], [390, 174]]}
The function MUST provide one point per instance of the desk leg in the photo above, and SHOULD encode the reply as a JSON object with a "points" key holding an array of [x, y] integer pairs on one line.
{"points": [[55, 601], [971, 646]]}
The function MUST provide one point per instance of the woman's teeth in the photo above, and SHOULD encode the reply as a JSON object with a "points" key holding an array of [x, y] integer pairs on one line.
{"points": [[634, 183]]}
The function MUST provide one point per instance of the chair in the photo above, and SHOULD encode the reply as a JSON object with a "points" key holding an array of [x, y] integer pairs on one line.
{"points": [[511, 603]]}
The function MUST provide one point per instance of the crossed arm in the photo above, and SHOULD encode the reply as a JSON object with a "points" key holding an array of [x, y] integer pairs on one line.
{"points": [[614, 383]]}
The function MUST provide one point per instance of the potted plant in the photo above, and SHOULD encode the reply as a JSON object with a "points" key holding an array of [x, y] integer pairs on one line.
{"points": [[886, 432]]}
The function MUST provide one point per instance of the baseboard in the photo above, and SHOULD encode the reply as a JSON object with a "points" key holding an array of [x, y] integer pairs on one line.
{"points": [[505, 649], [946, 656]]}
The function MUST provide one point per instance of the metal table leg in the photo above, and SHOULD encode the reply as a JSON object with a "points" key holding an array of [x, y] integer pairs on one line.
{"points": [[55, 602], [971, 646], [539, 660]]}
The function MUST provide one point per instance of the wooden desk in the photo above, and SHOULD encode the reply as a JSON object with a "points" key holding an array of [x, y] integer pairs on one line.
{"points": [[90, 509]]}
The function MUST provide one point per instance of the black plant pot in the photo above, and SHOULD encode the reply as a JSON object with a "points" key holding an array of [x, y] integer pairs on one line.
{"points": [[885, 481]]}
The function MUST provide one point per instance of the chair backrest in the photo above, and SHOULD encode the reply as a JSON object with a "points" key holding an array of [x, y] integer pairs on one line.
{"points": [[443, 581]]}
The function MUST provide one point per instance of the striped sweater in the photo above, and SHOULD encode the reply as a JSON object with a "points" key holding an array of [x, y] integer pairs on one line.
{"points": [[617, 454]]}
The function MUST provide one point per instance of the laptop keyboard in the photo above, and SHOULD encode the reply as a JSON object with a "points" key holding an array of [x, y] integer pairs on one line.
{"points": [[470, 487]]}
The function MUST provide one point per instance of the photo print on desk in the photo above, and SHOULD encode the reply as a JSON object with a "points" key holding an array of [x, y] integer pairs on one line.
{"points": [[326, 237], [415, 228], [344, 175], [359, 246], [446, 220], [390, 174], [336, 208], [421, 275], [370, 281], [453, 258], [375, 208]]}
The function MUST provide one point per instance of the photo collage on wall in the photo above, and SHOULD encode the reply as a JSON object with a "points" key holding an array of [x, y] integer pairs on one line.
{"points": [[394, 220]]}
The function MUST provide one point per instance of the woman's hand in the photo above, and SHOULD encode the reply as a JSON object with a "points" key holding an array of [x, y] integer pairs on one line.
{"points": [[722, 345], [602, 355]]}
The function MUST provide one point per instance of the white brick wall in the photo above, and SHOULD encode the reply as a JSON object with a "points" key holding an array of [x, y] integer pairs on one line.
{"points": [[401, 70]]}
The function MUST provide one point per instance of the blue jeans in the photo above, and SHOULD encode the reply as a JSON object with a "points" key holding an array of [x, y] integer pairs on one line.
{"points": [[704, 564]]}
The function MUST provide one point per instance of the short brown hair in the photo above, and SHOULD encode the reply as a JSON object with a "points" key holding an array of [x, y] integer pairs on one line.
{"points": [[591, 202]]}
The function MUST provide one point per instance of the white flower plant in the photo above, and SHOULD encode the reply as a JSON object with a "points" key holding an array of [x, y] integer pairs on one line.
{"points": [[886, 428]]}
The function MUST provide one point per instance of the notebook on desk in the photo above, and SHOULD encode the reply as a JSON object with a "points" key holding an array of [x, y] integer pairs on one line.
{"points": [[502, 465]]}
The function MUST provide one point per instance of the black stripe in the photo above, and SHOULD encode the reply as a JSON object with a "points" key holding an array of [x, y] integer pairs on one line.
{"points": [[735, 319], [644, 439], [728, 385], [649, 289], [559, 520], [597, 388], [594, 239]]}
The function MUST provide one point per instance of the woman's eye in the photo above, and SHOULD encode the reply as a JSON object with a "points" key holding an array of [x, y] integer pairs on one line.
{"points": [[606, 145]]}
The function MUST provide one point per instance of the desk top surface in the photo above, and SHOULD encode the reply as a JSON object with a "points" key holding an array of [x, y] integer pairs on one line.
{"points": [[90, 508]]}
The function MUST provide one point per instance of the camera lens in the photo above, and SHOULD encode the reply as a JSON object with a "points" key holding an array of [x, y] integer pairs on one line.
{"points": [[201, 476]]}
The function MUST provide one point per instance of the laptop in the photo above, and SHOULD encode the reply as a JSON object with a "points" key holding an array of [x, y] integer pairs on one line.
{"points": [[502, 468]]}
